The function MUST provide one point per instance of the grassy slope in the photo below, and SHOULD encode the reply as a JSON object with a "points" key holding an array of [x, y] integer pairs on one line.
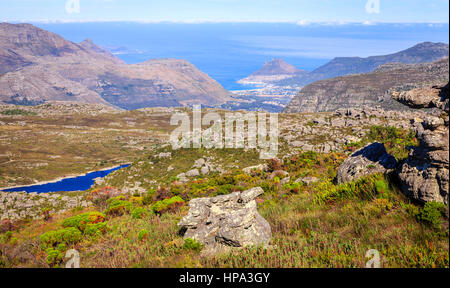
{"points": [[55, 146], [321, 225]]}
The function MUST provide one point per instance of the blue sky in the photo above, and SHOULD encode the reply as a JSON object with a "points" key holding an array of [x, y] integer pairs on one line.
{"points": [[300, 11]]}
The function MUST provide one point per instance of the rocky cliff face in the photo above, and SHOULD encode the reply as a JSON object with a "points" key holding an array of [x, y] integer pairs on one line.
{"points": [[371, 89], [37, 66], [425, 174]]}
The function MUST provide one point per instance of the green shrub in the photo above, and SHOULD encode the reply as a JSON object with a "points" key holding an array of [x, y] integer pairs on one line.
{"points": [[191, 244], [167, 205], [96, 229], [7, 236], [431, 213], [394, 139], [62, 247], [143, 234], [139, 213], [54, 257], [81, 221], [382, 186], [293, 188], [224, 189], [148, 197], [69, 235], [18, 112], [363, 188], [118, 207]]}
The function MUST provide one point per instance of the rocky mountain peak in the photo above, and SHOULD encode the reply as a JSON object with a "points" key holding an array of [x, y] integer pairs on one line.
{"points": [[276, 67]]}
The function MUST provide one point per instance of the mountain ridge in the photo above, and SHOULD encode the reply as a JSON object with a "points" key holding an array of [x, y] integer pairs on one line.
{"points": [[341, 66], [39, 66], [367, 89]]}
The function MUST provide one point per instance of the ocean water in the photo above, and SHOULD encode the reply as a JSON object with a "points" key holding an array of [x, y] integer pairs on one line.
{"points": [[231, 51], [79, 183]]}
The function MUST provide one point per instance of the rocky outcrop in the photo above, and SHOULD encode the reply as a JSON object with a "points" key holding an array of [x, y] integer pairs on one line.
{"points": [[22, 205], [227, 221], [369, 160], [424, 176]]}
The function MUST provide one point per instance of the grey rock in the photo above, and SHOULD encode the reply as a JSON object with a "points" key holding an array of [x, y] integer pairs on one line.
{"points": [[164, 155], [199, 163], [260, 167], [192, 173], [424, 176], [307, 180], [285, 180], [226, 221], [369, 160], [204, 170]]}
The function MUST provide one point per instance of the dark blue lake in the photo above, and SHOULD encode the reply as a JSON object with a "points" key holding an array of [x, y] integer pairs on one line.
{"points": [[79, 183]]}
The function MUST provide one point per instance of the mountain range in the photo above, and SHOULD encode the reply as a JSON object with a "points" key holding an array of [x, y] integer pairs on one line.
{"points": [[420, 53], [37, 66], [280, 73], [368, 89]]}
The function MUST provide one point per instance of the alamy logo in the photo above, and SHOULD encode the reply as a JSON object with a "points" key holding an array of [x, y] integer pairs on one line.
{"points": [[373, 6], [374, 256], [226, 133], [74, 259], [73, 6]]}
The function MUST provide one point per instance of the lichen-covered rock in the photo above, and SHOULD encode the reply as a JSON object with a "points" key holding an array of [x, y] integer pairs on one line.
{"points": [[226, 221], [369, 160], [261, 167], [424, 176], [427, 97], [307, 180]]}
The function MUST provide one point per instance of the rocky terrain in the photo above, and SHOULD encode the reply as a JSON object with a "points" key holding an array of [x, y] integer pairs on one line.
{"points": [[282, 82], [372, 89], [60, 153], [212, 207], [39, 66], [425, 174]]}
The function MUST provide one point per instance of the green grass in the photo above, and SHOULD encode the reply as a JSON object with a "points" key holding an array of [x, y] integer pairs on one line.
{"points": [[12, 112]]}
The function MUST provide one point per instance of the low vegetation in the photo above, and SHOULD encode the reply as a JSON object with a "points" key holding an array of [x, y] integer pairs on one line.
{"points": [[317, 225], [314, 225]]}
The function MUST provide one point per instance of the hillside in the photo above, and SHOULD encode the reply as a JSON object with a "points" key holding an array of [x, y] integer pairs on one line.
{"points": [[276, 67], [39, 66], [273, 71], [314, 222], [371, 89], [420, 53]]}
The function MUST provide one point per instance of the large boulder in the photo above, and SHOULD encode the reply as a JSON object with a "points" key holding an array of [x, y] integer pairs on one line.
{"points": [[226, 221], [369, 160], [424, 176]]}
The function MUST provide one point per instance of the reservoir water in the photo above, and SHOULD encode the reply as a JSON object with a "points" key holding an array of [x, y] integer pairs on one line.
{"points": [[79, 183]]}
